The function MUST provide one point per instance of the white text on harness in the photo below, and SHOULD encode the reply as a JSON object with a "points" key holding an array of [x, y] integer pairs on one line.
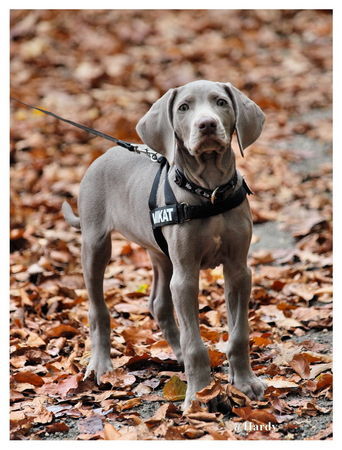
{"points": [[162, 215]]}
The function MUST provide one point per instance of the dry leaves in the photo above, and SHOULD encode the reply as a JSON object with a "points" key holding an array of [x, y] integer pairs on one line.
{"points": [[106, 76]]}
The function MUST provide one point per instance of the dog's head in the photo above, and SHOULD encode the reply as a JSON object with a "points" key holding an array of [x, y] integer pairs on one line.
{"points": [[200, 116]]}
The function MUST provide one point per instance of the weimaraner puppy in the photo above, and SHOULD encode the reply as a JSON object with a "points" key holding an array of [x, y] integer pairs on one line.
{"points": [[192, 126]]}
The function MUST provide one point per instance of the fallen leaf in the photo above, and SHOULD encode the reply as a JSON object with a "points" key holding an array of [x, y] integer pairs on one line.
{"points": [[28, 377], [280, 383], [258, 415], [216, 357], [324, 380], [110, 433], [57, 427], [174, 389], [318, 368], [127, 404], [261, 341], [62, 330], [68, 384], [300, 364], [209, 392]]}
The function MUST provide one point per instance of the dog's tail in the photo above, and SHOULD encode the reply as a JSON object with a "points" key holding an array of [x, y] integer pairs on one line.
{"points": [[69, 216]]}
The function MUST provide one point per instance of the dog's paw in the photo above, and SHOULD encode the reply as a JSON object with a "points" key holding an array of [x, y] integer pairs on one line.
{"points": [[251, 385], [98, 365]]}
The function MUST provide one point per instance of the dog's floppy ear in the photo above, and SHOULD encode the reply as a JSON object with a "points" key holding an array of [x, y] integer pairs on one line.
{"points": [[249, 118], [155, 128]]}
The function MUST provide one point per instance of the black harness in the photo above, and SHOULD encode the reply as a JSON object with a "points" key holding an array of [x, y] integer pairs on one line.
{"points": [[173, 212], [177, 213]]}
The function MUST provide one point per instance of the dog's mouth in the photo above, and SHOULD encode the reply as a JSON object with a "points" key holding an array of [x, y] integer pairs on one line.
{"points": [[209, 146]]}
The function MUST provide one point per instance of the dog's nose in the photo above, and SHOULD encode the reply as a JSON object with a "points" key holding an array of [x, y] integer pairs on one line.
{"points": [[207, 125]]}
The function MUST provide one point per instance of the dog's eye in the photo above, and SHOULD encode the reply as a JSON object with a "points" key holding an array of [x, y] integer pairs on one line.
{"points": [[183, 107], [221, 102]]}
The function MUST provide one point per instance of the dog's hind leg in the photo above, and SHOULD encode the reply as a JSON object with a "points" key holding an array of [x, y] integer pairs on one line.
{"points": [[160, 302], [96, 253]]}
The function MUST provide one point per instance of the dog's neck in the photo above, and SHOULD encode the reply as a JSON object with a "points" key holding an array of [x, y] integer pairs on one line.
{"points": [[208, 170]]}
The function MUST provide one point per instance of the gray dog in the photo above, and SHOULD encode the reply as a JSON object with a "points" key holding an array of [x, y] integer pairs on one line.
{"points": [[192, 127]]}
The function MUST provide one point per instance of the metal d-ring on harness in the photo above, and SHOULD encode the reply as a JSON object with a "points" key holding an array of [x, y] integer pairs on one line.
{"points": [[173, 212]]}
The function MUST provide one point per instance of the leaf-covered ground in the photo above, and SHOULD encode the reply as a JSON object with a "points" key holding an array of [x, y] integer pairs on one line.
{"points": [[104, 69]]}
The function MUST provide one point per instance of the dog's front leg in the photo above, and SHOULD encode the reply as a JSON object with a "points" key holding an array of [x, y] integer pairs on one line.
{"points": [[237, 293], [184, 289]]}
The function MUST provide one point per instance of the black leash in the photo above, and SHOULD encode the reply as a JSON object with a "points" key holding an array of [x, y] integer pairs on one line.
{"points": [[131, 147]]}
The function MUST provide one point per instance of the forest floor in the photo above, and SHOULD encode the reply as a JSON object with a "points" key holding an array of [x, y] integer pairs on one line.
{"points": [[106, 76]]}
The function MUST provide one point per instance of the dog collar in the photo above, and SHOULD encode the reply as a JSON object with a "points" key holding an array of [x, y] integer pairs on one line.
{"points": [[211, 194], [177, 213]]}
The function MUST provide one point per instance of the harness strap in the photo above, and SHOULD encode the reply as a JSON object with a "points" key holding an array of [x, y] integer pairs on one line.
{"points": [[152, 203], [177, 213], [190, 212]]}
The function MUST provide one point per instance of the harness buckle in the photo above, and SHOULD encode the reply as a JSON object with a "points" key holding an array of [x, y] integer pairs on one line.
{"points": [[183, 216]]}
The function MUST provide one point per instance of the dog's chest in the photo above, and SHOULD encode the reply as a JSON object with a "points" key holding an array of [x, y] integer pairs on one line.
{"points": [[214, 243]]}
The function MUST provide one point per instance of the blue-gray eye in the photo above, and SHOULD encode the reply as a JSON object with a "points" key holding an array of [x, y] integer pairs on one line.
{"points": [[221, 102], [183, 107]]}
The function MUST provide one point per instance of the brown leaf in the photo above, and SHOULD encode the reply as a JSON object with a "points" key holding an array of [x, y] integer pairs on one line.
{"points": [[300, 364], [137, 335], [34, 340], [261, 341], [315, 357], [237, 396], [166, 410], [62, 331], [324, 380], [210, 334], [162, 350], [128, 404], [42, 415], [319, 368], [110, 433], [17, 418], [174, 389], [209, 392], [216, 357], [28, 377], [57, 427], [203, 416], [118, 378], [126, 249], [280, 383], [69, 383], [193, 433], [258, 415]]}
